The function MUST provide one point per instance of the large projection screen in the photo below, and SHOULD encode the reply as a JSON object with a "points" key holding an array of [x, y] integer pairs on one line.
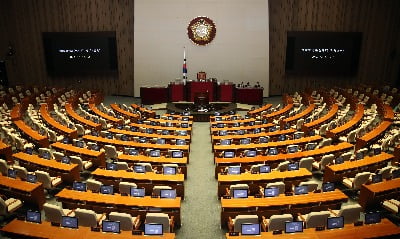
{"points": [[238, 53]]}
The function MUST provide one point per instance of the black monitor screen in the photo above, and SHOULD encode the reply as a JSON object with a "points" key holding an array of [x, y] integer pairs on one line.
{"points": [[328, 187], [239, 193], [160, 141], [139, 168], [95, 147], [80, 144], [153, 229], [165, 132], [323, 53], [240, 132], [372, 218], [167, 193], [134, 129], [263, 140], [282, 137], [229, 154], [271, 192], [292, 149], [157, 116], [335, 222], [265, 169], [293, 166], [46, 155], [297, 136], [251, 123], [66, 160], [69, 222], [80, 52], [106, 189], [109, 136], [225, 141], [111, 166], [272, 129], [257, 131], [272, 151], [292, 227], [137, 192], [339, 160], [79, 186], [169, 170], [218, 118], [300, 190], [180, 142], [359, 155], [32, 216], [245, 141], [155, 153], [65, 140], [133, 152], [11, 173], [220, 125], [124, 137], [234, 170], [29, 150], [251, 153], [376, 178], [182, 132], [377, 151], [185, 119], [396, 173], [32, 178], [184, 125], [222, 132], [177, 154], [110, 226], [250, 229], [142, 140], [120, 126], [236, 124], [149, 131]]}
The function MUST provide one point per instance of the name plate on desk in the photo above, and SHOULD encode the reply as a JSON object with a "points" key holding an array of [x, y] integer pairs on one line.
{"points": [[226, 197], [233, 233]]}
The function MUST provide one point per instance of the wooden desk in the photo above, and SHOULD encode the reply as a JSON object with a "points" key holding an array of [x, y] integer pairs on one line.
{"points": [[156, 160], [32, 193], [140, 134], [271, 116], [260, 110], [68, 172], [17, 229], [5, 150], [336, 172], [229, 122], [147, 180], [105, 116], [98, 158], [372, 194], [71, 112], [123, 113], [236, 137], [37, 138], [256, 180], [298, 116], [117, 202], [61, 129], [214, 131], [372, 135], [385, 228], [357, 117], [145, 113], [158, 127], [316, 123]]}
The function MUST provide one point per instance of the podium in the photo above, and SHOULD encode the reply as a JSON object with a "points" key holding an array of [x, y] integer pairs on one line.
{"points": [[226, 93], [251, 96], [153, 95], [194, 87], [176, 92]]}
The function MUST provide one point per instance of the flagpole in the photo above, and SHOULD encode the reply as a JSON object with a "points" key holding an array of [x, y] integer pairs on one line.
{"points": [[184, 69]]}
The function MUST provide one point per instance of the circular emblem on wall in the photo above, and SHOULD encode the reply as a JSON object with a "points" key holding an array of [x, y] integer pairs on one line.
{"points": [[201, 30]]}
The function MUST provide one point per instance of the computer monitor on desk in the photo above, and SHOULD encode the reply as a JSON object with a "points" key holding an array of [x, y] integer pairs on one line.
{"points": [[265, 169], [271, 192], [110, 226], [169, 170], [168, 193], [298, 190], [240, 193], [293, 166], [377, 178], [250, 229], [139, 168], [111, 166], [335, 222], [372, 217], [12, 173], [155, 153], [272, 151], [177, 154], [79, 186], [69, 222], [107, 189], [234, 170], [32, 178], [151, 229], [137, 192], [293, 227], [33, 216], [65, 159], [229, 154], [328, 187]]}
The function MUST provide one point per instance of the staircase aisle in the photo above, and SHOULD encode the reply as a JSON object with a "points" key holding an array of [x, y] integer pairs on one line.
{"points": [[201, 209]]}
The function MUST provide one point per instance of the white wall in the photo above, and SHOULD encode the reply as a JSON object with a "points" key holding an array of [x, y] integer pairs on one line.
{"points": [[239, 51]]}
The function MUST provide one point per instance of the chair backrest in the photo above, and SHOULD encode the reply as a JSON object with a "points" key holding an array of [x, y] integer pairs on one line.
{"points": [[44, 178], [240, 219], [322, 129], [280, 185], [111, 151], [125, 219], [21, 172], [53, 212], [277, 222], [325, 142], [283, 166], [386, 172], [3, 167], [125, 187], [77, 160], [122, 165], [306, 163], [86, 218], [346, 156], [147, 166], [326, 159], [360, 179], [161, 218], [351, 213], [93, 185], [3, 207], [317, 219], [157, 189], [237, 186], [58, 156], [45, 150]]}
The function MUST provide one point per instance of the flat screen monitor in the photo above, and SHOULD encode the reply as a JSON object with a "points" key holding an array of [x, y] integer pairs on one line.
{"points": [[293, 227], [257, 131], [229, 154], [107, 189], [339, 160], [186, 113], [80, 144], [165, 132], [265, 169], [33, 216], [120, 126], [252, 123], [167, 193], [69, 222], [134, 129], [137, 192], [32, 178], [235, 124], [372, 218], [250, 229], [169, 170], [272, 129], [94, 133], [359, 155], [234, 117], [225, 141], [79, 186], [293, 166], [184, 125], [376, 178], [377, 151], [272, 151], [244, 141], [177, 154], [153, 123], [328, 187], [185, 118], [335, 222], [311, 146], [12, 173], [396, 173], [220, 125], [240, 132], [234, 170], [149, 130], [168, 124], [282, 137], [180, 142], [297, 136], [95, 147], [109, 136], [263, 140], [298, 190], [170, 117], [157, 116], [153, 229], [139, 168], [271, 192], [222, 133], [124, 137], [311, 133], [111, 166], [219, 118], [182, 132], [29, 150], [66, 160], [139, 121], [65, 141], [46, 155], [155, 153], [251, 153], [240, 193], [292, 149], [110, 226], [133, 152]]}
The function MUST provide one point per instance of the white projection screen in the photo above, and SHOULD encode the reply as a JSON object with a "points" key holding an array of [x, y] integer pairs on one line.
{"points": [[238, 53]]}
